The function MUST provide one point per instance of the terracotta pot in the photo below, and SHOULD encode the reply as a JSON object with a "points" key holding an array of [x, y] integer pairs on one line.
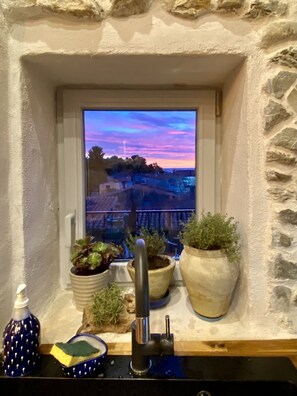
{"points": [[84, 286], [210, 280], [159, 279]]}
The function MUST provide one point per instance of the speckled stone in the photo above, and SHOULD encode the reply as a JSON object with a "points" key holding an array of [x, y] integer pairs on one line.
{"points": [[23, 9], [230, 5], [281, 194], [126, 8], [294, 300], [281, 297], [281, 158], [259, 9], [284, 269], [287, 138], [278, 85], [188, 8], [286, 57], [281, 239], [274, 113], [272, 175], [278, 32], [285, 240], [288, 216], [292, 99]]}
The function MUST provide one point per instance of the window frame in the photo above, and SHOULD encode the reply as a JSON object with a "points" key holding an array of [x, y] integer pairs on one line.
{"points": [[72, 102]]}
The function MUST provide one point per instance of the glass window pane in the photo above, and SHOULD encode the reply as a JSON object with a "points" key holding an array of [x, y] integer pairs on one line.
{"points": [[140, 172]]}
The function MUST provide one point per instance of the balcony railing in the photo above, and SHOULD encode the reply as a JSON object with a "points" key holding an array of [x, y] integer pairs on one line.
{"points": [[162, 219], [111, 226]]}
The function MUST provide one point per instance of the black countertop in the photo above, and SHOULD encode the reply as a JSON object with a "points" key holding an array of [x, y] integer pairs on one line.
{"points": [[169, 375]]}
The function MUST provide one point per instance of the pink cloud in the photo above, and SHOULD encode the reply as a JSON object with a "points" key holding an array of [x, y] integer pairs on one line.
{"points": [[178, 133]]}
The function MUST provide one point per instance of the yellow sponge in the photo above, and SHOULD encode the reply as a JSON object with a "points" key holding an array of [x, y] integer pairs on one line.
{"points": [[70, 354]]}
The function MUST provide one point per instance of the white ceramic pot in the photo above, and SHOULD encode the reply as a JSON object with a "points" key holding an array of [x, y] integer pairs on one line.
{"points": [[210, 280], [159, 279], [84, 286]]}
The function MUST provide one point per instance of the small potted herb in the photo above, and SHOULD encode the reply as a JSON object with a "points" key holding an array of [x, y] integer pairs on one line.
{"points": [[91, 260], [108, 306], [160, 266], [209, 262]]}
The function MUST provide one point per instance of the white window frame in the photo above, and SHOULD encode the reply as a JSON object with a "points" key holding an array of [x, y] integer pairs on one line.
{"points": [[72, 102]]}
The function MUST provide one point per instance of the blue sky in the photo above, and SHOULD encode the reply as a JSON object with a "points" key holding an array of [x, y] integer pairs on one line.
{"points": [[165, 137]]}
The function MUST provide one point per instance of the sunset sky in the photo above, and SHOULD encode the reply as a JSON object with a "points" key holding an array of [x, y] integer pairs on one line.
{"points": [[165, 137]]}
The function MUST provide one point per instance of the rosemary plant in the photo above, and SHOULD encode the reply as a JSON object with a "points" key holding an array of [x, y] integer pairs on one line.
{"points": [[212, 232]]}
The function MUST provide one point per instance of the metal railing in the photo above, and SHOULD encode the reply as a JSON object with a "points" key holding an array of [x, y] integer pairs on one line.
{"points": [[168, 219], [112, 226]]}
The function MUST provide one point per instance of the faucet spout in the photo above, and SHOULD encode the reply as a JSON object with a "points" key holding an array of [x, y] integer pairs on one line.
{"points": [[142, 308], [144, 343]]}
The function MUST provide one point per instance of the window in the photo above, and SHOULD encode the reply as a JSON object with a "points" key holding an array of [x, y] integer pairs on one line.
{"points": [[140, 173], [79, 190]]}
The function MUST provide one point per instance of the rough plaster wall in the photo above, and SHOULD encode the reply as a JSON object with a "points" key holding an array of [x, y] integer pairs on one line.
{"points": [[238, 27], [40, 193], [6, 287], [259, 225], [234, 156]]}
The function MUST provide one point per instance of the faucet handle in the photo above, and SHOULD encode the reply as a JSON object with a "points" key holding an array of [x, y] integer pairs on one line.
{"points": [[167, 326], [167, 339]]}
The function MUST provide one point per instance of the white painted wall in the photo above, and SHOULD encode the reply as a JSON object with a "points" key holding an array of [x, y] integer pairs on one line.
{"points": [[243, 184], [40, 187], [30, 218], [235, 195], [6, 267]]}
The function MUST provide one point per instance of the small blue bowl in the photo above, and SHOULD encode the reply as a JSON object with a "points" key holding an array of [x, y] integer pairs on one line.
{"points": [[91, 367]]}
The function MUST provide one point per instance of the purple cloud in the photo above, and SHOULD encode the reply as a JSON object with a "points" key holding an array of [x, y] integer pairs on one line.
{"points": [[160, 136]]}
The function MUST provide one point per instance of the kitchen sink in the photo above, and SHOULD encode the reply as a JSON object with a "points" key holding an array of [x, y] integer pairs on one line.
{"points": [[168, 376]]}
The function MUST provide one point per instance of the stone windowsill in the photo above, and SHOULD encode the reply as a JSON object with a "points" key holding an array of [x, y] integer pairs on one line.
{"points": [[62, 320]]}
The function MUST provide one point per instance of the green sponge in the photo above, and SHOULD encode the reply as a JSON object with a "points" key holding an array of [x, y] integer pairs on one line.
{"points": [[70, 354]]}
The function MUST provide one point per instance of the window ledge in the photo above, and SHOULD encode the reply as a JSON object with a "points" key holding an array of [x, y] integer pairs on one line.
{"points": [[61, 321]]}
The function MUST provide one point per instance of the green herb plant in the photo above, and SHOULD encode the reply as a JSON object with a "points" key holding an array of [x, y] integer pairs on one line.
{"points": [[108, 305], [154, 242], [89, 257], [212, 232]]}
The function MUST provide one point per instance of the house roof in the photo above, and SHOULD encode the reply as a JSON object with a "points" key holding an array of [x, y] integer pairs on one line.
{"points": [[101, 202]]}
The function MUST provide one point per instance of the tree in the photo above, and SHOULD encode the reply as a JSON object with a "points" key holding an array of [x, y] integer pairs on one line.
{"points": [[95, 156], [95, 165], [155, 168], [98, 167]]}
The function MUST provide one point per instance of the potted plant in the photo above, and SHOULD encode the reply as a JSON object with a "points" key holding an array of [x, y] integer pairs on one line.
{"points": [[90, 273], [209, 262], [160, 266]]}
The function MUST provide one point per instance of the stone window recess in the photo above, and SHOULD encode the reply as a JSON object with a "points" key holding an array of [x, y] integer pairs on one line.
{"points": [[263, 32]]}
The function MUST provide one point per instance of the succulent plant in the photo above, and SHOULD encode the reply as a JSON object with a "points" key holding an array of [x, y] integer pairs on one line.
{"points": [[92, 257]]}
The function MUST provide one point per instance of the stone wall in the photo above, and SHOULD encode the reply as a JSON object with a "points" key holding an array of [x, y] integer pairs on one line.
{"points": [[280, 116], [97, 10], [274, 25]]}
